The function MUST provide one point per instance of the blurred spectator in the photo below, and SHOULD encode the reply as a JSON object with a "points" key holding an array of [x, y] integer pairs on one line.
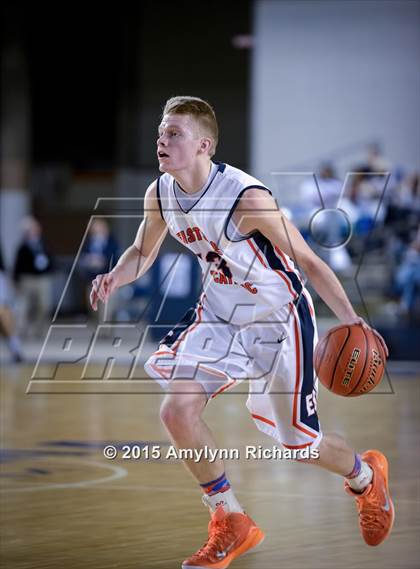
{"points": [[403, 215], [366, 191], [7, 320], [328, 230], [329, 184], [376, 161], [406, 195], [407, 279], [410, 192], [33, 266], [99, 254]]}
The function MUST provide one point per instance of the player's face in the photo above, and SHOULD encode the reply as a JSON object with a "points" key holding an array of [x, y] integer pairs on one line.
{"points": [[178, 143]]}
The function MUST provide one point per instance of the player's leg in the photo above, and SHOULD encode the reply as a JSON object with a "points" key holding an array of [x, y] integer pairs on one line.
{"points": [[231, 531], [335, 454], [366, 480], [292, 398], [181, 413], [366, 475]]}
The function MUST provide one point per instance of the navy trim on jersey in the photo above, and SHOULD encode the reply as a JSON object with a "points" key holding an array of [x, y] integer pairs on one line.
{"points": [[221, 168], [158, 198], [232, 209], [274, 262], [307, 333]]}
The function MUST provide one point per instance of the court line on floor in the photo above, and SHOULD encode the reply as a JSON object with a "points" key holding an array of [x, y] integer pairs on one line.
{"points": [[118, 473], [256, 493]]}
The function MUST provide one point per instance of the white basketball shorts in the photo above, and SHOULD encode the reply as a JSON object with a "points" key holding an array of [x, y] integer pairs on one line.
{"points": [[273, 356]]}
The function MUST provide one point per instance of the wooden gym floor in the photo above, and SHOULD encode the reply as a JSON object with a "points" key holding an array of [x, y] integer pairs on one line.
{"points": [[63, 505]]}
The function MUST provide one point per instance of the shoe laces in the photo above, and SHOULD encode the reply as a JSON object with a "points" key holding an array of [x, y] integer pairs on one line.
{"points": [[220, 535], [370, 513]]}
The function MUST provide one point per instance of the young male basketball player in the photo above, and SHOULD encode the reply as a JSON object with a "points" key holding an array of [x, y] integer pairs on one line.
{"points": [[254, 321]]}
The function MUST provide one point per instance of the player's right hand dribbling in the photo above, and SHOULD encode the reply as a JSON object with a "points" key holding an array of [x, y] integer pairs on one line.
{"points": [[102, 288]]}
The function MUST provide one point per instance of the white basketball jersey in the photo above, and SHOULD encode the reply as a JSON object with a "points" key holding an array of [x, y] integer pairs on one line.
{"points": [[245, 278]]}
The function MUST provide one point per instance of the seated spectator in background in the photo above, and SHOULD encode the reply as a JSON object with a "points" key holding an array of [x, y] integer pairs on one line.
{"points": [[7, 320], [100, 253], [376, 161], [403, 215], [325, 193], [330, 187], [32, 275], [407, 279], [406, 196], [366, 191]]}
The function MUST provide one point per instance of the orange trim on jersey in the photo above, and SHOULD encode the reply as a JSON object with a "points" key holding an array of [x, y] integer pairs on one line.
{"points": [[291, 269], [297, 393], [263, 419], [287, 281], [280, 252], [287, 265], [311, 310], [298, 446], [281, 275], [250, 243]]}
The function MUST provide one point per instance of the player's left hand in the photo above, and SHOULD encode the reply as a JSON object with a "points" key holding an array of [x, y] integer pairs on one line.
{"points": [[361, 322]]}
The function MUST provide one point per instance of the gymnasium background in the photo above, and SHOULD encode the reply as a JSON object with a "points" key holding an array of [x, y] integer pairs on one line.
{"points": [[319, 99]]}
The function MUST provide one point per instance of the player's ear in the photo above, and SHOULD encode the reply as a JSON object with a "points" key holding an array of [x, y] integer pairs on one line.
{"points": [[205, 145]]}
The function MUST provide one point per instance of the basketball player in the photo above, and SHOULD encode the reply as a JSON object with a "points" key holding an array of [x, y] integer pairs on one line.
{"points": [[255, 320]]}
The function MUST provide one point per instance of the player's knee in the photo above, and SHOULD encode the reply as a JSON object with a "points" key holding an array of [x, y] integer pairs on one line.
{"points": [[178, 410], [167, 414]]}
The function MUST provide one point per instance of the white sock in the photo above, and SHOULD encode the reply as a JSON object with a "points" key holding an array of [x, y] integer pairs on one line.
{"points": [[226, 499], [359, 482]]}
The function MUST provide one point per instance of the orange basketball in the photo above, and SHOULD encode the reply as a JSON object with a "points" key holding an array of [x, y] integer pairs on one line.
{"points": [[349, 360]]}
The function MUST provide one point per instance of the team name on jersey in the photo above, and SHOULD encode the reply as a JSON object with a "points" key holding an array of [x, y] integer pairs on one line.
{"points": [[223, 274], [193, 234]]}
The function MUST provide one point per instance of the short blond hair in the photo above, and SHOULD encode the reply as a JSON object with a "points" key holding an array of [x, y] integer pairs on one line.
{"points": [[199, 109]]}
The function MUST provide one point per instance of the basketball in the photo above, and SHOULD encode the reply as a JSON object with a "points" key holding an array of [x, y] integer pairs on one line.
{"points": [[349, 360]]}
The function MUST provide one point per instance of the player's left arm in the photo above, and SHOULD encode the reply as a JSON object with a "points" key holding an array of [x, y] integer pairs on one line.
{"points": [[258, 211]]}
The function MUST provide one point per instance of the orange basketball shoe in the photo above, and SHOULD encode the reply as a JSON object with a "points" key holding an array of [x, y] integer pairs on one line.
{"points": [[231, 534], [376, 510]]}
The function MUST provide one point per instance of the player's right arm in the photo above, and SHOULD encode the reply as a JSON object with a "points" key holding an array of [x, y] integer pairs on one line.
{"points": [[139, 257]]}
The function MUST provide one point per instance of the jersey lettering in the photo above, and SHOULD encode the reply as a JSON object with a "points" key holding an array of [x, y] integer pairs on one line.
{"points": [[311, 403], [193, 234], [213, 257], [223, 274], [236, 272]]}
